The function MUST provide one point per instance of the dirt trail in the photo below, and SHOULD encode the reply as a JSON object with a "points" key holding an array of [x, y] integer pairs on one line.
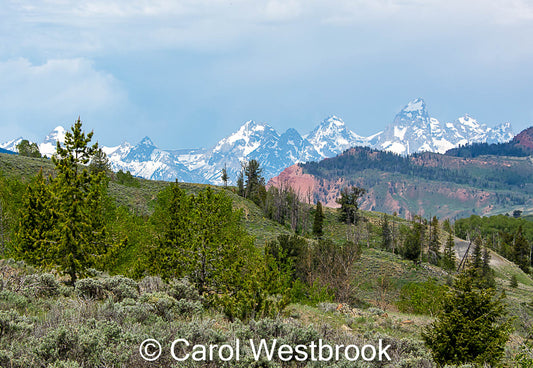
{"points": [[495, 259]]}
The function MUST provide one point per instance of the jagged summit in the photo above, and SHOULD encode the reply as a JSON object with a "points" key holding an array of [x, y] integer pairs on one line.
{"points": [[412, 130], [11, 145], [146, 141], [418, 104], [332, 137], [58, 134]]}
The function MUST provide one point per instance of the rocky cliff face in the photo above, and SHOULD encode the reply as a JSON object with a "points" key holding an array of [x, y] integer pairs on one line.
{"points": [[524, 139]]}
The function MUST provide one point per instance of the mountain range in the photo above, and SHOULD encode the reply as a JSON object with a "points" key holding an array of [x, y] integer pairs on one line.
{"points": [[481, 179], [411, 131]]}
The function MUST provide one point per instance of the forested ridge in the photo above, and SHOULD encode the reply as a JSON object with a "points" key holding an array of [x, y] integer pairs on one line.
{"points": [[429, 166]]}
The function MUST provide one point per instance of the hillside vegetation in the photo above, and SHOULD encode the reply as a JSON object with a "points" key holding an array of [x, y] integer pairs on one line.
{"points": [[356, 283], [424, 184]]}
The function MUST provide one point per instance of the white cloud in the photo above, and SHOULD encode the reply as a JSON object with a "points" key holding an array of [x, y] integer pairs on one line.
{"points": [[88, 26], [55, 92]]}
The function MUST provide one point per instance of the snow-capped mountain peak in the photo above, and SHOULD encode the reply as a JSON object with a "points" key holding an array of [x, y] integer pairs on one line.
{"points": [[56, 135], [146, 142], [415, 112], [417, 104], [11, 145], [49, 144], [412, 130], [331, 137]]}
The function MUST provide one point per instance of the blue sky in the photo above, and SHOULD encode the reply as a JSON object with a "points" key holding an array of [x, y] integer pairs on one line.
{"points": [[187, 73]]}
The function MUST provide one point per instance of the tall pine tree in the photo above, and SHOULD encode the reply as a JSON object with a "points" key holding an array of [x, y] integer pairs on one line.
{"points": [[80, 230], [386, 233], [521, 250], [63, 222], [349, 209], [318, 221], [434, 254], [448, 257]]}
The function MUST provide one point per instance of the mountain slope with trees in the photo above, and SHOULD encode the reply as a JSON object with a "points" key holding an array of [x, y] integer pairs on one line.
{"points": [[424, 184]]}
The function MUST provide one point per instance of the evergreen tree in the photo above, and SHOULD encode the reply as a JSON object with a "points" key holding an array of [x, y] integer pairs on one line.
{"points": [[349, 210], [254, 188], [386, 233], [240, 184], [80, 230], [64, 225], [99, 162], [469, 329], [203, 240], [202, 235], [34, 243], [521, 250], [412, 246], [479, 266], [25, 148], [172, 218], [434, 254], [225, 176], [318, 220], [487, 272], [448, 258]]}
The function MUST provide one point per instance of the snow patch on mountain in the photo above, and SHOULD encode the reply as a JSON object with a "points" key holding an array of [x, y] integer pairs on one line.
{"points": [[412, 130], [11, 145]]}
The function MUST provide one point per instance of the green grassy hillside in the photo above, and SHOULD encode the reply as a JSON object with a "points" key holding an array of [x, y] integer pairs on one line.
{"points": [[60, 323]]}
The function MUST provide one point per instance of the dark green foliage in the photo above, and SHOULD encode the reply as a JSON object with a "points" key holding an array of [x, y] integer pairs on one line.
{"points": [[386, 233], [199, 234], [448, 256], [522, 250], [79, 230], [240, 184], [352, 162], [25, 148], [34, 240], [434, 254], [469, 329], [514, 282], [125, 178], [479, 269], [289, 252], [254, 186], [497, 149], [349, 210], [11, 192], [318, 221], [99, 162], [225, 176], [412, 244], [517, 213]]}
